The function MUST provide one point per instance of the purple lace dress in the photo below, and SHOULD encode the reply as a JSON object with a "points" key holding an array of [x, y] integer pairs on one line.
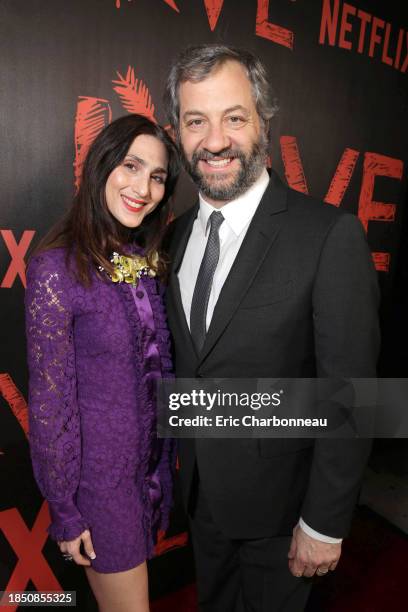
{"points": [[94, 354]]}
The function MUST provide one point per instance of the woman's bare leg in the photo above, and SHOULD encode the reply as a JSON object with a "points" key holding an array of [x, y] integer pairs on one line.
{"points": [[121, 591]]}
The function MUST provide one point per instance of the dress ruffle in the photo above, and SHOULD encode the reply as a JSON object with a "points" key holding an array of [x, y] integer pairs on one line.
{"points": [[156, 466], [167, 464]]}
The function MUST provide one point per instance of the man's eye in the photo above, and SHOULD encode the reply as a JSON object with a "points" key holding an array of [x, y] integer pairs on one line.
{"points": [[236, 120], [195, 123]]}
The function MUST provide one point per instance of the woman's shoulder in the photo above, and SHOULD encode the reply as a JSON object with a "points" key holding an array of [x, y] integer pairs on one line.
{"points": [[54, 254], [48, 262]]}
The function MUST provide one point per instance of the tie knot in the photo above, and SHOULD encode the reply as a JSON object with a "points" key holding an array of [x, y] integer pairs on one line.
{"points": [[216, 219]]}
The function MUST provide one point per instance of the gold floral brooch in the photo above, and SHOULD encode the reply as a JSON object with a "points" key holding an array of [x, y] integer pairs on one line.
{"points": [[130, 269]]}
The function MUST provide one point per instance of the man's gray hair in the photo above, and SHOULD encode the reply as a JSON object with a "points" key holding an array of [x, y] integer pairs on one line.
{"points": [[196, 63]]}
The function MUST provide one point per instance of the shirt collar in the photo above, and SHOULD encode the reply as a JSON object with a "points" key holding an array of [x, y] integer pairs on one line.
{"points": [[239, 212]]}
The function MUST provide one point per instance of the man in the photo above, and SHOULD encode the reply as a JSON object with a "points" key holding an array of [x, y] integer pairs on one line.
{"points": [[265, 282]]}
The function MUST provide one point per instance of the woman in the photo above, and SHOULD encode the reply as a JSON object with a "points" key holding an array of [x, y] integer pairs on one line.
{"points": [[97, 341]]}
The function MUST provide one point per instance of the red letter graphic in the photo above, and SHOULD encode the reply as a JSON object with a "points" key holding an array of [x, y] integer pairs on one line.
{"points": [[17, 252], [173, 5], [213, 8], [385, 57], [15, 400], [369, 210], [346, 26], [268, 30], [28, 545], [342, 177], [293, 164], [399, 48], [375, 39], [165, 544], [377, 165], [329, 23], [381, 261], [364, 18]]}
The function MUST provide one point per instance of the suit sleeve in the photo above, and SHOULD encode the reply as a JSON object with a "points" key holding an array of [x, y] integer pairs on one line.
{"points": [[55, 439], [346, 334]]}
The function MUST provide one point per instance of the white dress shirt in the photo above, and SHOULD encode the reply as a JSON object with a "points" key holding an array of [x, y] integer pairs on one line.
{"points": [[237, 217]]}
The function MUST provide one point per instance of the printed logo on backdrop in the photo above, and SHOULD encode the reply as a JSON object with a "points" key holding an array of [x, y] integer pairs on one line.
{"points": [[342, 25], [375, 37], [353, 29], [263, 28], [17, 251]]}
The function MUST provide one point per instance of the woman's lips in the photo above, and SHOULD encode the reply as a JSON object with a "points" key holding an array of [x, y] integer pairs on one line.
{"points": [[132, 204]]}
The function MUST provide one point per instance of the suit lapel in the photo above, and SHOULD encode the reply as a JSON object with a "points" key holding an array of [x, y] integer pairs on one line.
{"points": [[179, 244], [261, 234], [181, 236]]}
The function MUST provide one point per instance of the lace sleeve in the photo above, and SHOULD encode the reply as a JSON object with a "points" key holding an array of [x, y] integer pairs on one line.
{"points": [[55, 439]]}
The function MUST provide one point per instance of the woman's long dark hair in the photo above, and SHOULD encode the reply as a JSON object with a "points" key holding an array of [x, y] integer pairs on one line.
{"points": [[88, 230]]}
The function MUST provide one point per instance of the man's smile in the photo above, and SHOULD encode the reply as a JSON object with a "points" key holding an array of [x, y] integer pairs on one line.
{"points": [[218, 164]]}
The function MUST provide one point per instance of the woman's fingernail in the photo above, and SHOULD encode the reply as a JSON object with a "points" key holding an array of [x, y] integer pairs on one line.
{"points": [[92, 555]]}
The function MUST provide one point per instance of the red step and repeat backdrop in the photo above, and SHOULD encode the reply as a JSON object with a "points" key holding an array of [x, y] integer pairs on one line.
{"points": [[340, 73]]}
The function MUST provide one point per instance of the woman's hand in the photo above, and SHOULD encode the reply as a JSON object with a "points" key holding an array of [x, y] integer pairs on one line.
{"points": [[73, 548]]}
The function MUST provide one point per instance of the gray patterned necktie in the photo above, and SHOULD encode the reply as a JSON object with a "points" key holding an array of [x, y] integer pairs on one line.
{"points": [[204, 280]]}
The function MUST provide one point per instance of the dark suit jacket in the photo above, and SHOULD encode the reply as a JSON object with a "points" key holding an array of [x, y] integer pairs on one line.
{"points": [[300, 300]]}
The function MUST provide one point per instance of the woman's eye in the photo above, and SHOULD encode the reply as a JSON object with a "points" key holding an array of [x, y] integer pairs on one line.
{"points": [[159, 179], [130, 165]]}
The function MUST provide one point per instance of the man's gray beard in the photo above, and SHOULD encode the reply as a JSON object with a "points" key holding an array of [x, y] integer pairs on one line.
{"points": [[250, 169]]}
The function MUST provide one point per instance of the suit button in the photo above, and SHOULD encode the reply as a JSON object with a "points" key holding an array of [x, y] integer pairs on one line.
{"points": [[139, 294]]}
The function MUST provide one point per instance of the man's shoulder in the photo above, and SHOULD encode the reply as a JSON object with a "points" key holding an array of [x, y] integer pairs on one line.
{"points": [[306, 209], [310, 216]]}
